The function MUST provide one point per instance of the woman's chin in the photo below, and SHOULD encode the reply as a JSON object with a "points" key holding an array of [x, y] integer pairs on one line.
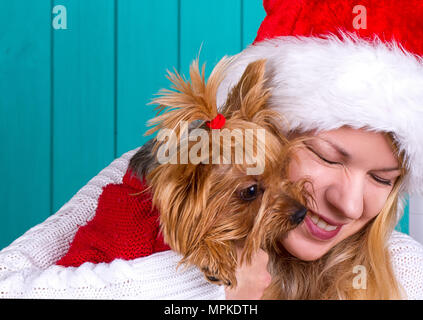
{"points": [[301, 246], [304, 255]]}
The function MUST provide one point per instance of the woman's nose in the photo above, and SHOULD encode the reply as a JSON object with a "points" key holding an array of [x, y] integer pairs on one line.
{"points": [[346, 196]]}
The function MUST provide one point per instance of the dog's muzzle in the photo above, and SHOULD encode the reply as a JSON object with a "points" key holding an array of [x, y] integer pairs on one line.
{"points": [[299, 215]]}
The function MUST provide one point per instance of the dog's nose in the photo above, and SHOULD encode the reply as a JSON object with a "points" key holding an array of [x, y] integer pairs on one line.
{"points": [[299, 215]]}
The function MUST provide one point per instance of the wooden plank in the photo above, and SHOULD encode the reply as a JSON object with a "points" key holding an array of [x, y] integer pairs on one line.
{"points": [[84, 137], [213, 26], [252, 15], [147, 46], [24, 116], [403, 224]]}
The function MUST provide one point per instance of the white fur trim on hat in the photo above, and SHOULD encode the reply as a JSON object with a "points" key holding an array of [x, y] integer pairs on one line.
{"points": [[326, 83]]}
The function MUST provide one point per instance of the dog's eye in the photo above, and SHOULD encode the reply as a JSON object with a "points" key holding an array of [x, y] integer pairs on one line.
{"points": [[250, 193]]}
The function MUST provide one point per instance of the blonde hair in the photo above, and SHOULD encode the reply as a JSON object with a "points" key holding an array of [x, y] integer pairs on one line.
{"points": [[332, 276]]}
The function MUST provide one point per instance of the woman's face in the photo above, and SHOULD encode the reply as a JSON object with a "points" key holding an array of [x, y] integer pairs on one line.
{"points": [[353, 172]]}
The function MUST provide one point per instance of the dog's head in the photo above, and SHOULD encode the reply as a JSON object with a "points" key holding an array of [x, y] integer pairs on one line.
{"points": [[217, 189]]}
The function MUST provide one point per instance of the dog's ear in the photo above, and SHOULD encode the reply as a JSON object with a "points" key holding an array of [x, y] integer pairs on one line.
{"points": [[250, 94], [248, 100], [180, 193]]}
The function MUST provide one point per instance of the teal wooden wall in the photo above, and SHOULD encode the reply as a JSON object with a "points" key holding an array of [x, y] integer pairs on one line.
{"points": [[72, 100]]}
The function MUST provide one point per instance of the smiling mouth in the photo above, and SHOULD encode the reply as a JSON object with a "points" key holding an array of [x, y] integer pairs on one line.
{"points": [[322, 224], [320, 228]]}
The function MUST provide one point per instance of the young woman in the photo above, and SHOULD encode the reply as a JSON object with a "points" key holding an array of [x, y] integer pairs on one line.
{"points": [[360, 99], [351, 77], [356, 177]]}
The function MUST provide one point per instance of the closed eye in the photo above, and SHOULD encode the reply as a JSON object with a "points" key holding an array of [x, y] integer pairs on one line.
{"points": [[381, 181], [322, 158]]}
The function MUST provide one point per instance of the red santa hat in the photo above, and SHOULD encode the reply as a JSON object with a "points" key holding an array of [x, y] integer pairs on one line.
{"points": [[332, 63]]}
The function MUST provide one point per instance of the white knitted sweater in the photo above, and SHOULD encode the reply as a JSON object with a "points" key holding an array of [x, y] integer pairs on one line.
{"points": [[27, 267]]}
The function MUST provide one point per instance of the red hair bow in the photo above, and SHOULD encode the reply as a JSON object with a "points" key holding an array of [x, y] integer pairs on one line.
{"points": [[217, 123]]}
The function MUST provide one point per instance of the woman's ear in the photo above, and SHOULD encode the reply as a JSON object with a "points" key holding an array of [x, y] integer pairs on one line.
{"points": [[249, 95]]}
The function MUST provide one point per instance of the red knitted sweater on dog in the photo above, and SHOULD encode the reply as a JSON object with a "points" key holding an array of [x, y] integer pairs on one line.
{"points": [[124, 226]]}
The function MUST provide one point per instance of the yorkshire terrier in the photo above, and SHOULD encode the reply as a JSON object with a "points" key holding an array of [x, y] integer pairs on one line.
{"points": [[218, 202]]}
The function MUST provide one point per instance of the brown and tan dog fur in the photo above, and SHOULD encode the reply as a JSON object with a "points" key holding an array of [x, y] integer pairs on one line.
{"points": [[207, 210]]}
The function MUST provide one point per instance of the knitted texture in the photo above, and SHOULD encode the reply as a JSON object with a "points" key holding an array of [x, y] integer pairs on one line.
{"points": [[27, 267], [125, 226], [152, 277], [407, 261], [28, 270]]}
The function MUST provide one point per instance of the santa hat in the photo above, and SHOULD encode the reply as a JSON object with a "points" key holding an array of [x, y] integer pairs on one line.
{"points": [[332, 63]]}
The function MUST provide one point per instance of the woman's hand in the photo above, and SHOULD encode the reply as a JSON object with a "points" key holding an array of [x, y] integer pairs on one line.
{"points": [[252, 279]]}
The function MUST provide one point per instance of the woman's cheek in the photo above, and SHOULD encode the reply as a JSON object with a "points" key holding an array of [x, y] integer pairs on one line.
{"points": [[374, 201]]}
